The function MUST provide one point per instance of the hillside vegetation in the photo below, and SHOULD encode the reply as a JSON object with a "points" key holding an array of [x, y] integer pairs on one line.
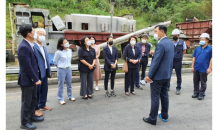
{"points": [[146, 12]]}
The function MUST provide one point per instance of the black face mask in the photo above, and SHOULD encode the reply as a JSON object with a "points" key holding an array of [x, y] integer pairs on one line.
{"points": [[175, 38], [111, 43]]}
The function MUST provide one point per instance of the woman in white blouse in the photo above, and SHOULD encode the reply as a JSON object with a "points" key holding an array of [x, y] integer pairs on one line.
{"points": [[62, 60]]}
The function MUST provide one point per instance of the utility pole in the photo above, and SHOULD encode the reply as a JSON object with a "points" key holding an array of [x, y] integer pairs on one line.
{"points": [[112, 11]]}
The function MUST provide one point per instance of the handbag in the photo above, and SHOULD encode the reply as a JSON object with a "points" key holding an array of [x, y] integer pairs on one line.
{"points": [[125, 67]]}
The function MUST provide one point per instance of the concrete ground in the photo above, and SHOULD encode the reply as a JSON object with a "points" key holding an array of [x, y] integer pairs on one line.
{"points": [[117, 113]]}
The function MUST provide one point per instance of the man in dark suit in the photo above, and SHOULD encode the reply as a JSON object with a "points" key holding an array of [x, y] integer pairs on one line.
{"points": [[45, 71], [28, 78], [159, 75]]}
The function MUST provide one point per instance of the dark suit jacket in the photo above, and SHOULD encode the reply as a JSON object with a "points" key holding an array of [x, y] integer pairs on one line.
{"points": [[162, 62], [29, 72], [41, 61], [128, 53], [109, 59]]}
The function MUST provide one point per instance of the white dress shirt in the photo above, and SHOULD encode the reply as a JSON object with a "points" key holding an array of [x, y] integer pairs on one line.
{"points": [[110, 49], [161, 39], [31, 44], [43, 53], [133, 50]]}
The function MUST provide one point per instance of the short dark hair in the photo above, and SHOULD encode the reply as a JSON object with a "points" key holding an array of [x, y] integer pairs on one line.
{"points": [[25, 29], [109, 37], [131, 38], [91, 37], [145, 35], [162, 27], [60, 41], [83, 43]]}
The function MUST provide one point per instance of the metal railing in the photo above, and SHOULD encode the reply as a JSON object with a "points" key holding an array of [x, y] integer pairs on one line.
{"points": [[15, 70]]}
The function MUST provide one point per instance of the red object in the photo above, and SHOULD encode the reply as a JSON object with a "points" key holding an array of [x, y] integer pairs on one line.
{"points": [[194, 29], [100, 37]]}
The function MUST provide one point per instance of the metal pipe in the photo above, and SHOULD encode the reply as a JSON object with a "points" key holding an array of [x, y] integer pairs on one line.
{"points": [[125, 38]]}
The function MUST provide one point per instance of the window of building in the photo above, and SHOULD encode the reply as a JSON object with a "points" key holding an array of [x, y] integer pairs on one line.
{"points": [[85, 26]]}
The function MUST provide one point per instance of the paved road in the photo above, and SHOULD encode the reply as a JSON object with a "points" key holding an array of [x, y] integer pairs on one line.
{"points": [[117, 113]]}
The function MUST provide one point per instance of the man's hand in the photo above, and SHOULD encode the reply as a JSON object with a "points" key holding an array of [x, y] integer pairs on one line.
{"points": [[148, 79], [91, 67], [38, 82], [151, 52], [192, 69], [208, 70]]}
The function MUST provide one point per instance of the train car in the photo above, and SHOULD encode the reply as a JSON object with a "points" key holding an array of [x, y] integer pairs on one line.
{"points": [[192, 29]]}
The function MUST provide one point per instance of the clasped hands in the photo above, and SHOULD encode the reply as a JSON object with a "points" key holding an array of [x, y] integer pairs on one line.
{"points": [[91, 66], [113, 66], [133, 61]]}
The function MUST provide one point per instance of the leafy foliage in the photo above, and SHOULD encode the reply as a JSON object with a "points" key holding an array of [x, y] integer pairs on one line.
{"points": [[146, 12]]}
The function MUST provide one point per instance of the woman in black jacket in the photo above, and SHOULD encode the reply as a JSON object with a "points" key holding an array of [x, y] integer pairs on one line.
{"points": [[110, 65], [87, 57], [132, 56]]}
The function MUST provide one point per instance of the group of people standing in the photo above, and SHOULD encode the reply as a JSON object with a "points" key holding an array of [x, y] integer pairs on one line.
{"points": [[35, 70]]}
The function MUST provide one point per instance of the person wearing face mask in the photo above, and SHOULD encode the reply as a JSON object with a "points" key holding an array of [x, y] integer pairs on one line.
{"points": [[201, 66], [159, 75], [179, 51], [97, 72], [62, 60], [132, 55], [110, 65], [45, 71], [29, 77], [145, 47], [86, 67]]}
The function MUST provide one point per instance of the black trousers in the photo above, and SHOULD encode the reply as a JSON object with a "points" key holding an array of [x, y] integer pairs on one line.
{"points": [[143, 64], [200, 77], [28, 102], [107, 74], [177, 65], [159, 92], [130, 76]]}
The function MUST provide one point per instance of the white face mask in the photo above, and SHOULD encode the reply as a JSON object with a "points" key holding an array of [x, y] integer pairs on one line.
{"points": [[35, 36], [156, 37], [93, 41], [41, 39], [88, 43], [133, 42], [66, 45], [144, 41]]}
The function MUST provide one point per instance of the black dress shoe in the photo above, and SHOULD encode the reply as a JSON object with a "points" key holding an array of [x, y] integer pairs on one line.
{"points": [[200, 97], [147, 121], [28, 126], [37, 119], [139, 87], [194, 95], [86, 98], [90, 97]]}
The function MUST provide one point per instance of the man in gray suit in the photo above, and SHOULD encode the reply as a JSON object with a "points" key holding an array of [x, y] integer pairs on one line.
{"points": [[159, 75]]}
